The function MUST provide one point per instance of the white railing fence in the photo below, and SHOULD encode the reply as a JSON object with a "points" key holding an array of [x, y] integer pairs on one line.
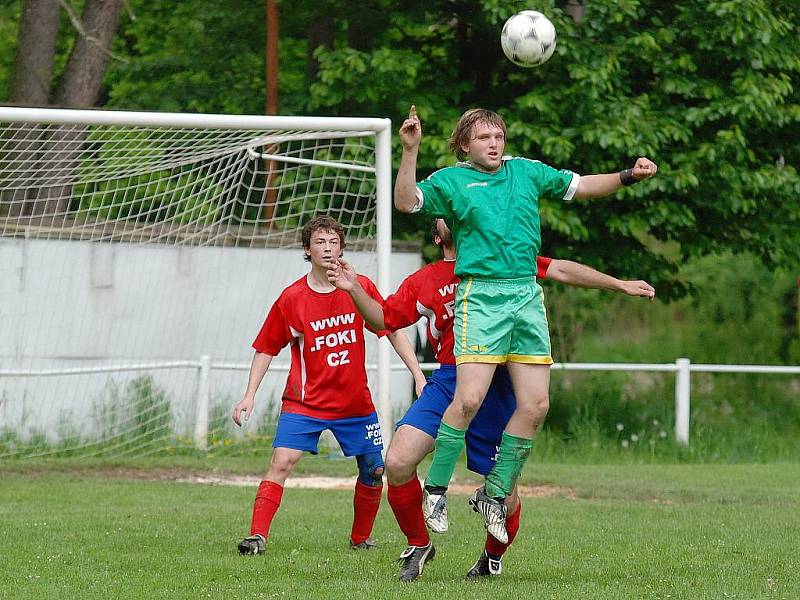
{"points": [[682, 368]]}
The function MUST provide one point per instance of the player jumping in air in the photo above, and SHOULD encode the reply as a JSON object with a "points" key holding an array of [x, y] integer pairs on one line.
{"points": [[326, 387], [491, 202], [430, 292]]}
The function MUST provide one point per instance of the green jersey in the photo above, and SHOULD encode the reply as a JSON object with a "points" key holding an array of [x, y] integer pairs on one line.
{"points": [[494, 217]]}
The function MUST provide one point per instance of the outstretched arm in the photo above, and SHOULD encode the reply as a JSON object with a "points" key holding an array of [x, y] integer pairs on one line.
{"points": [[258, 368], [579, 275], [596, 186], [406, 353], [405, 185]]}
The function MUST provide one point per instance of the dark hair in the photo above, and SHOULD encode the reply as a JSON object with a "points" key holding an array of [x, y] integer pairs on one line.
{"points": [[328, 224], [434, 230]]}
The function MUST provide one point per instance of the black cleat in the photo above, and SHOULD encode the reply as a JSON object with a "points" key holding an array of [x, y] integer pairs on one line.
{"points": [[255, 544], [413, 560], [368, 544], [485, 567]]}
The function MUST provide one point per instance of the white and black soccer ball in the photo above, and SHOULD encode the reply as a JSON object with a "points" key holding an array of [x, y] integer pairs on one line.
{"points": [[528, 38]]}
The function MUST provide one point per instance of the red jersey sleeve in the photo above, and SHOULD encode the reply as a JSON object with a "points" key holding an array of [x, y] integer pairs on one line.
{"points": [[275, 332], [400, 309], [372, 291], [542, 264]]}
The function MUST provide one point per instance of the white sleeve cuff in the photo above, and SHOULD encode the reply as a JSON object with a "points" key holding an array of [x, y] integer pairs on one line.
{"points": [[573, 187], [420, 201]]}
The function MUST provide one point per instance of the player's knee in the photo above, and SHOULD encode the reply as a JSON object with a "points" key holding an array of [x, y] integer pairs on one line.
{"points": [[281, 466], [469, 405], [370, 469], [536, 409], [398, 467]]}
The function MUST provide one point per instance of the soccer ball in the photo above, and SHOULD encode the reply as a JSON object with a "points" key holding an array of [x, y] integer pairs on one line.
{"points": [[528, 38]]}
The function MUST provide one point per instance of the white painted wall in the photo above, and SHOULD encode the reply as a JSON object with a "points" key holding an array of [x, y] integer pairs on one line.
{"points": [[66, 304]]}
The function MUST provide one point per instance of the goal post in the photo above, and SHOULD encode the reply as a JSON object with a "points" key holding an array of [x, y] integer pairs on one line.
{"points": [[135, 243]]}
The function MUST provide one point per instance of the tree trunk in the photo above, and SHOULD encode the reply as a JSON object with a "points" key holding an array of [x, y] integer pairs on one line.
{"points": [[80, 87], [30, 86], [82, 78], [36, 46]]}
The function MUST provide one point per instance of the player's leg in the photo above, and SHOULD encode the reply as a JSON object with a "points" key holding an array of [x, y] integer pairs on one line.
{"points": [[408, 447], [482, 335], [294, 435], [531, 389], [529, 363], [489, 563], [483, 443], [472, 382], [361, 437], [366, 499], [412, 441], [268, 499]]}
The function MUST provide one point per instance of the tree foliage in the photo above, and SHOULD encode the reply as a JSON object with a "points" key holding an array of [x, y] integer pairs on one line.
{"points": [[709, 90]]}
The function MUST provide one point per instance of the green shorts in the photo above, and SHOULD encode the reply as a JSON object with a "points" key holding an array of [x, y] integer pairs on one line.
{"points": [[501, 320]]}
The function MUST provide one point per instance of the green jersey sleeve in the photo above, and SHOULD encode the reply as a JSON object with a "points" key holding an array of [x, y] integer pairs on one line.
{"points": [[553, 184], [437, 195]]}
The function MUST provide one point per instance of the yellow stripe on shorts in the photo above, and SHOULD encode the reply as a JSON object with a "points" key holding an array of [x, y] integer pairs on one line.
{"points": [[464, 324]]}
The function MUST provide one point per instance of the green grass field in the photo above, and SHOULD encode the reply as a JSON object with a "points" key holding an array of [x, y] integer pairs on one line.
{"points": [[630, 531]]}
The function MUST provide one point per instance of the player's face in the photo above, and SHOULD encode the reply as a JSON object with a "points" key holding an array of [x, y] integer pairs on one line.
{"points": [[324, 247], [485, 147]]}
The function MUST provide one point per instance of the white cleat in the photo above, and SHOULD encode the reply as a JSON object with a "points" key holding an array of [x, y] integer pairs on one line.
{"points": [[493, 513], [434, 509]]}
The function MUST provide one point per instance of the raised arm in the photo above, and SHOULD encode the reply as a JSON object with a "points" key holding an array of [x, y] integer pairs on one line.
{"points": [[405, 185], [596, 186], [579, 275], [406, 353], [258, 368]]}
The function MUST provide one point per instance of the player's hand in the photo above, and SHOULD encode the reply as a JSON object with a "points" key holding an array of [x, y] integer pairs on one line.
{"points": [[638, 288], [411, 130], [242, 411], [643, 169], [419, 385], [342, 274]]}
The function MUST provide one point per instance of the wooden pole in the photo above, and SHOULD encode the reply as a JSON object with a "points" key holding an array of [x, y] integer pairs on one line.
{"points": [[271, 51], [271, 105]]}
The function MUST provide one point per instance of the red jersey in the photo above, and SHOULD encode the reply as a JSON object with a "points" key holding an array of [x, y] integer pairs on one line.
{"points": [[431, 293], [327, 378]]}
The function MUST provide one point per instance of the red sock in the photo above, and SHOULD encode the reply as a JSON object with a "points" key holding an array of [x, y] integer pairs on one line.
{"points": [[496, 548], [268, 499], [366, 501], [406, 503]]}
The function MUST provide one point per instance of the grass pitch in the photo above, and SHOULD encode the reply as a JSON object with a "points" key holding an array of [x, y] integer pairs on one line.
{"points": [[625, 531]]}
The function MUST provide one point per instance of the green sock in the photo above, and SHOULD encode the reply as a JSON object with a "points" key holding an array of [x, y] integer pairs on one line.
{"points": [[449, 444], [513, 453]]}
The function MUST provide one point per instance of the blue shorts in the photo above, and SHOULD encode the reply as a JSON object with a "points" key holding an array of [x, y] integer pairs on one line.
{"points": [[486, 430], [356, 435]]}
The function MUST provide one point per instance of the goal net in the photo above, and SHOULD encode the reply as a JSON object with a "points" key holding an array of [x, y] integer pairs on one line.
{"points": [[139, 254]]}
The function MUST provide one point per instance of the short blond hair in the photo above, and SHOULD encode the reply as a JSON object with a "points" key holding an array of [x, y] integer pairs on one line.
{"points": [[463, 129]]}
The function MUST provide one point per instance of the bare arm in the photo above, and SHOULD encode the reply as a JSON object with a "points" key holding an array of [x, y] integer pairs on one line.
{"points": [[406, 353], [258, 368], [343, 276], [596, 186], [405, 185], [579, 275]]}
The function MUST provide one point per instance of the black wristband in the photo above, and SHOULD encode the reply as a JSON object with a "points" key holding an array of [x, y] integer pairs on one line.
{"points": [[626, 177]]}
